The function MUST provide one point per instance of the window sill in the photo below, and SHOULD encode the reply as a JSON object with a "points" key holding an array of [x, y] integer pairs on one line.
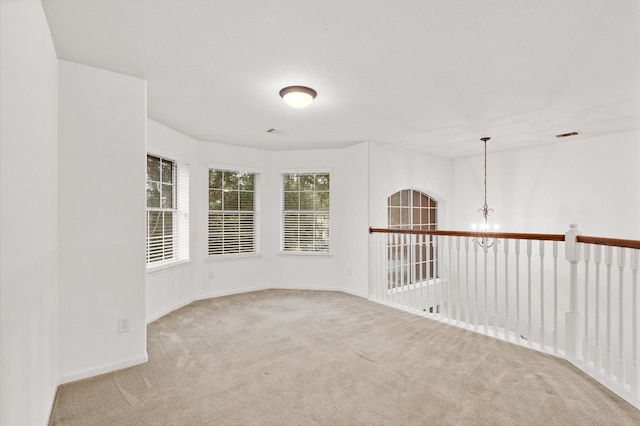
{"points": [[156, 269], [233, 257], [304, 254]]}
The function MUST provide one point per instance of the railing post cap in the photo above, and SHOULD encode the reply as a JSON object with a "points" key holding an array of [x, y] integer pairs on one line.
{"points": [[572, 250], [573, 229]]}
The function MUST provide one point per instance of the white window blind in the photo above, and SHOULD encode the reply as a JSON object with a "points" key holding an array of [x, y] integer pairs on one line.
{"points": [[305, 215], [181, 230], [167, 211], [232, 212]]}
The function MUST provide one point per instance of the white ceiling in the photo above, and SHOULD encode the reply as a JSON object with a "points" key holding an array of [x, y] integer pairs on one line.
{"points": [[433, 75]]}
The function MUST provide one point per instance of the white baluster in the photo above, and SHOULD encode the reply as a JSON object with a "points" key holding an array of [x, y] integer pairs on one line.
{"points": [[529, 322], [541, 245], [406, 270], [415, 273], [517, 324], [507, 326], [406, 276], [621, 265], [424, 279], [449, 284], [396, 267], [440, 306], [608, 261], [485, 315], [555, 297], [635, 379], [434, 260], [408, 260], [457, 309], [432, 278], [382, 271], [597, 356], [467, 312], [433, 265], [373, 292], [475, 294], [385, 277], [585, 344], [495, 288], [391, 268], [572, 255]]}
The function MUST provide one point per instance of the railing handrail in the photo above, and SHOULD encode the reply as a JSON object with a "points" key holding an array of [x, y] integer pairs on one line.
{"points": [[615, 242], [586, 239], [473, 234]]}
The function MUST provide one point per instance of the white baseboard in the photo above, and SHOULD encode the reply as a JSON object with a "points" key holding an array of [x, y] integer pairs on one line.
{"points": [[318, 288], [157, 316], [103, 369], [231, 293], [249, 290], [52, 403]]}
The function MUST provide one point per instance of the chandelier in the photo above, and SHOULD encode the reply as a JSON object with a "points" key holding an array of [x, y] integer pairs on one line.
{"points": [[485, 211]]}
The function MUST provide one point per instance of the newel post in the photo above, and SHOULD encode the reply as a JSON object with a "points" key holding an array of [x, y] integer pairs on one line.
{"points": [[572, 254]]}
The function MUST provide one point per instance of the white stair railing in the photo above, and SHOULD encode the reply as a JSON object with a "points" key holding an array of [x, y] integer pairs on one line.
{"points": [[516, 289]]}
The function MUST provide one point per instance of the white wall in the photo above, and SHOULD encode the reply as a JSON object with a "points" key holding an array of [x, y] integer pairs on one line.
{"points": [[219, 277], [589, 181], [352, 214], [348, 204], [28, 215], [173, 287], [392, 169], [102, 157]]}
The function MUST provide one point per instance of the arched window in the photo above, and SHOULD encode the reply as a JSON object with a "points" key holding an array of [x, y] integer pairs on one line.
{"points": [[412, 259], [410, 209]]}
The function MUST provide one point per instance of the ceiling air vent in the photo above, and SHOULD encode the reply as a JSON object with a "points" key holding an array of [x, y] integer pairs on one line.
{"points": [[566, 135], [275, 131]]}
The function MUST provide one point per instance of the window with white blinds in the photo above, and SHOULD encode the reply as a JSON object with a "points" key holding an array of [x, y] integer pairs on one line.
{"points": [[167, 211], [305, 214], [232, 212]]}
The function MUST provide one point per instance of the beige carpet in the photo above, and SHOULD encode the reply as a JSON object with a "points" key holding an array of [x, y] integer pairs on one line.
{"points": [[281, 357]]}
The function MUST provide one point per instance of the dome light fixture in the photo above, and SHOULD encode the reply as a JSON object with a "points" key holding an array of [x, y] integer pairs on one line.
{"points": [[298, 96]]}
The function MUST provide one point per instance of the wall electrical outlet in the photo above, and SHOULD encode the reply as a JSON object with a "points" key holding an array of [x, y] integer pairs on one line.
{"points": [[123, 325]]}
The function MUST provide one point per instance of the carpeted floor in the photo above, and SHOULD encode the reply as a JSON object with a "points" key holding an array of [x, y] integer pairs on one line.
{"points": [[285, 357]]}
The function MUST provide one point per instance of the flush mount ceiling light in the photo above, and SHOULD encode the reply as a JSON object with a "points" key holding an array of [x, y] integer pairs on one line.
{"points": [[298, 96]]}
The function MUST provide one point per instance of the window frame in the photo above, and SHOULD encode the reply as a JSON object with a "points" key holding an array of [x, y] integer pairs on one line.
{"points": [[283, 212], [180, 212], [256, 172], [406, 248]]}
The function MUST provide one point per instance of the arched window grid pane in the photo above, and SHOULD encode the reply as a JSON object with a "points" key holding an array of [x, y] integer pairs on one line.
{"points": [[412, 262]]}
